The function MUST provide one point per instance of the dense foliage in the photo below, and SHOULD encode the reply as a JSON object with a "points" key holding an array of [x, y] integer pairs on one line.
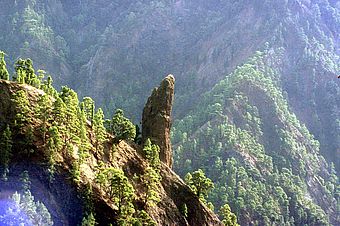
{"points": [[199, 183], [151, 178], [268, 181], [121, 127], [116, 185]]}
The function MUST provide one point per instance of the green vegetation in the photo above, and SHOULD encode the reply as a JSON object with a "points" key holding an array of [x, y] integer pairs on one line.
{"points": [[43, 112], [22, 205], [151, 178], [64, 126], [199, 184], [258, 134], [151, 181], [121, 127], [54, 144], [184, 210], [89, 220], [22, 209], [119, 191], [23, 109], [262, 179], [143, 218], [225, 137], [87, 106], [151, 152], [25, 73], [229, 219], [99, 130], [5, 152], [3, 70]]}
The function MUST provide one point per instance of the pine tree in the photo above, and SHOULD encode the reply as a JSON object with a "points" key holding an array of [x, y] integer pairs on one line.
{"points": [[43, 216], [99, 130], [3, 70], [59, 111], [119, 190], [23, 108], [199, 184], [54, 144], [43, 112], [89, 220], [151, 152], [108, 125], [71, 120], [151, 181], [85, 144], [122, 128], [87, 198], [143, 218], [151, 177], [24, 73], [25, 180], [35, 213], [20, 77], [88, 107], [75, 168], [46, 85], [5, 152], [229, 218]]}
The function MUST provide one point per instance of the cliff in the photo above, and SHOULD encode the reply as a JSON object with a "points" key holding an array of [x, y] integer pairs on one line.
{"points": [[63, 196], [156, 122]]}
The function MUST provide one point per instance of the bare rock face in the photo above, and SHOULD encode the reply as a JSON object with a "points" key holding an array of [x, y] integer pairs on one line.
{"points": [[156, 120]]}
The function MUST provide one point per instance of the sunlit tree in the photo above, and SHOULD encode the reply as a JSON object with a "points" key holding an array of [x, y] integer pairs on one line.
{"points": [[119, 190], [43, 112], [99, 130], [151, 181], [199, 183], [3, 70], [151, 152], [229, 218], [88, 107], [23, 108], [122, 128]]}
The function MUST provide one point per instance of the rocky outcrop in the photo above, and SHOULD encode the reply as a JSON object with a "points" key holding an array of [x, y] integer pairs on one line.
{"points": [[156, 120], [62, 195]]}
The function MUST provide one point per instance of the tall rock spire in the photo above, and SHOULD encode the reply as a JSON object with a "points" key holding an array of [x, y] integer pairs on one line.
{"points": [[156, 122]]}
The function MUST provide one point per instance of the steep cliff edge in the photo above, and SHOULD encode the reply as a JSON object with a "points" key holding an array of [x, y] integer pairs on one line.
{"points": [[63, 195]]}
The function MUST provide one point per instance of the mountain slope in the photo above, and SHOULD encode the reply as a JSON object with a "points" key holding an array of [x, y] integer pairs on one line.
{"points": [[264, 162], [76, 170], [96, 46], [117, 51]]}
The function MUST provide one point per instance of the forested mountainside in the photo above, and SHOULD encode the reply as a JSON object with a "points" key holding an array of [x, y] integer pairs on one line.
{"points": [[62, 164], [96, 46], [272, 116], [265, 164]]}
